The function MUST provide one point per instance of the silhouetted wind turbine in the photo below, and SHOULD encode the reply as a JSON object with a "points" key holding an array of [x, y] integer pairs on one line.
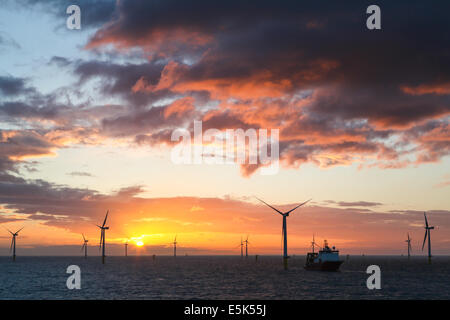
{"points": [[284, 230], [242, 248], [13, 242], [102, 237], [246, 247], [409, 246], [427, 234], [84, 246], [126, 248], [175, 247]]}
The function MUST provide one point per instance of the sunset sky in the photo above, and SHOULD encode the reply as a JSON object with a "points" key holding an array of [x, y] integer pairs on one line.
{"points": [[86, 118]]}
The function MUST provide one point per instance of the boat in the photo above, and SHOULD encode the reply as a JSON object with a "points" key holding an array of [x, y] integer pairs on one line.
{"points": [[327, 259]]}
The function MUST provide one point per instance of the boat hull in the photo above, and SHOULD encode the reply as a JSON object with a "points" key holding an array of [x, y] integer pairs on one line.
{"points": [[324, 266]]}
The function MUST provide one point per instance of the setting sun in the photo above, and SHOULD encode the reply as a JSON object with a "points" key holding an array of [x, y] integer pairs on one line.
{"points": [[139, 243]]}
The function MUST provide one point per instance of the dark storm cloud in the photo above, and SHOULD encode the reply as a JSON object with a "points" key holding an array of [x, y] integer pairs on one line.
{"points": [[322, 44], [337, 91], [38, 196], [367, 85], [119, 79], [18, 109], [12, 86], [18, 144]]}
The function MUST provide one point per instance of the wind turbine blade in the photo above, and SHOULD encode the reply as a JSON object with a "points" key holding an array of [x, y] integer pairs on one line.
{"points": [[425, 239], [10, 248], [9, 231], [426, 221], [19, 230], [106, 217], [83, 237], [298, 206], [270, 206]]}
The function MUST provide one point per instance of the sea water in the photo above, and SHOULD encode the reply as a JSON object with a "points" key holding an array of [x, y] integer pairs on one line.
{"points": [[221, 277]]}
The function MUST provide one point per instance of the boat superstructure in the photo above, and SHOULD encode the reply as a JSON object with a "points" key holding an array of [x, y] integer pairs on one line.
{"points": [[327, 259]]}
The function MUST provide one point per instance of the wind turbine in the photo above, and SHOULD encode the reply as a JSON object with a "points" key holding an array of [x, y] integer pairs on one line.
{"points": [[102, 237], [175, 247], [284, 230], [242, 248], [84, 246], [246, 247], [126, 248], [13, 242], [409, 246], [427, 234]]}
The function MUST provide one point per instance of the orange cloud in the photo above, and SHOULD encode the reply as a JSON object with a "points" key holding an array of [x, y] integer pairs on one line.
{"points": [[439, 89]]}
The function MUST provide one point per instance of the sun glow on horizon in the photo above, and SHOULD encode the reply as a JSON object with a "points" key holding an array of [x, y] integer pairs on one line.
{"points": [[139, 243]]}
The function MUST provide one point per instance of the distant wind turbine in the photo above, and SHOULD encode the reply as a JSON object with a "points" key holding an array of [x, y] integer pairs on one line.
{"points": [[241, 245], [13, 242], [175, 247], [409, 246], [242, 248], [85, 242], [102, 237], [246, 247], [284, 230], [427, 234], [126, 248]]}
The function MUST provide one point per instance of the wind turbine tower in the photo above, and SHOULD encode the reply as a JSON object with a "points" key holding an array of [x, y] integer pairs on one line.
{"points": [[175, 247], [246, 247], [409, 246], [103, 228], [126, 249], [242, 248], [84, 246], [427, 235], [284, 230], [13, 242]]}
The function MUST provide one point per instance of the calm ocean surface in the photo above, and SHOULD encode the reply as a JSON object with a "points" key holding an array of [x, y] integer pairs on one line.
{"points": [[213, 277]]}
